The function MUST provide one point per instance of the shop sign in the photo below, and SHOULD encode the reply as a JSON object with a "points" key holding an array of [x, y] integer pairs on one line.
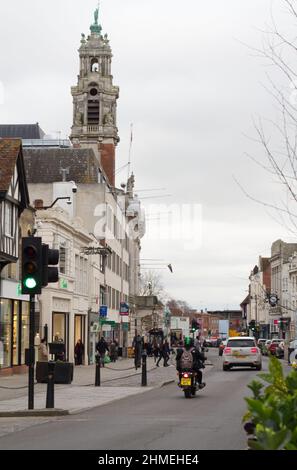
{"points": [[63, 283], [124, 309], [103, 311], [106, 327], [107, 322], [19, 290]]}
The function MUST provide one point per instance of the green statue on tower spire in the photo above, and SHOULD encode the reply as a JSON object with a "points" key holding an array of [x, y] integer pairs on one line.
{"points": [[96, 28], [96, 14]]}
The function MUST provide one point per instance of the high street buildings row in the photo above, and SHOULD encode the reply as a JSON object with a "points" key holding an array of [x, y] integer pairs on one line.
{"points": [[274, 275], [65, 192]]}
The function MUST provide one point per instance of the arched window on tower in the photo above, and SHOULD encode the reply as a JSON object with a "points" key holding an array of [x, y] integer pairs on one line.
{"points": [[93, 104], [94, 65]]}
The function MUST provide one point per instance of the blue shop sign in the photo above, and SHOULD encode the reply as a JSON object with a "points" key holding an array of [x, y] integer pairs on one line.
{"points": [[103, 311]]}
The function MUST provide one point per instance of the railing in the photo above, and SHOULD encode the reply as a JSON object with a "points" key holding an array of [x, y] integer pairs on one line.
{"points": [[93, 129]]}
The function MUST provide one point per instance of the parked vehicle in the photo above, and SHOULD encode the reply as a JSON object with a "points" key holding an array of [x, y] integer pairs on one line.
{"points": [[242, 351], [212, 342], [261, 343], [222, 347], [273, 345], [265, 347], [280, 350], [292, 347]]}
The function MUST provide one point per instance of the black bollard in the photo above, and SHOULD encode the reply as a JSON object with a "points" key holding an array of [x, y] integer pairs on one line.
{"points": [[144, 370], [98, 371], [50, 393]]}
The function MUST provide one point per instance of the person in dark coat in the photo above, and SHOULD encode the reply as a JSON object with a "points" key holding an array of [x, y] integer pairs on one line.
{"points": [[149, 349], [113, 351], [198, 360], [138, 346], [79, 353], [156, 350], [164, 353], [101, 348]]}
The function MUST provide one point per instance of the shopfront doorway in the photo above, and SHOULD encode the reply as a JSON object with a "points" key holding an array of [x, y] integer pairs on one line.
{"points": [[60, 330], [79, 331]]}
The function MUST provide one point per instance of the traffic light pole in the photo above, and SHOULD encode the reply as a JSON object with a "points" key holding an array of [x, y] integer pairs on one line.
{"points": [[31, 354]]}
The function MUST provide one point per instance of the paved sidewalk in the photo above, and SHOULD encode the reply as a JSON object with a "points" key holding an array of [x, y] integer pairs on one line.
{"points": [[82, 394], [16, 385]]}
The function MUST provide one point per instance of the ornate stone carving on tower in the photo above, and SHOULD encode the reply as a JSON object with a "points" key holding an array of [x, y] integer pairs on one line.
{"points": [[95, 100]]}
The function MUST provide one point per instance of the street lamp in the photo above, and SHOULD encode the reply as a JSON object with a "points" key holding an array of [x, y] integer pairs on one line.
{"points": [[68, 198]]}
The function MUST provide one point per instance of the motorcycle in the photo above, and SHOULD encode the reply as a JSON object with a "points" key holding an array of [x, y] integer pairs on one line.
{"points": [[187, 382]]}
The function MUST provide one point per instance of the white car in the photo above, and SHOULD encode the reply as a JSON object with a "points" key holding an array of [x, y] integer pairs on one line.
{"points": [[241, 351]]}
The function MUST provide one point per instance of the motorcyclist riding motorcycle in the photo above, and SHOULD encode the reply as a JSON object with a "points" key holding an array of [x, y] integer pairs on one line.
{"points": [[190, 358]]}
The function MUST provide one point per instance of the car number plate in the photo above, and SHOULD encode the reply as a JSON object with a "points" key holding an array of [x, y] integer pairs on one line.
{"points": [[185, 382], [239, 356]]}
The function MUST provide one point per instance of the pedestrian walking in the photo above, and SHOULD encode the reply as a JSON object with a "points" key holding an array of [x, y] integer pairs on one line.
{"points": [[138, 348], [79, 353], [164, 353], [101, 348], [156, 350], [149, 349], [113, 353]]}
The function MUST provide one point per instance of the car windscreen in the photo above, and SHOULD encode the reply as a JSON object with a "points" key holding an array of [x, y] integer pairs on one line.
{"points": [[241, 343]]}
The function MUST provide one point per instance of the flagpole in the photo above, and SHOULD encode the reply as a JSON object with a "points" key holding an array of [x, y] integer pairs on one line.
{"points": [[130, 149]]}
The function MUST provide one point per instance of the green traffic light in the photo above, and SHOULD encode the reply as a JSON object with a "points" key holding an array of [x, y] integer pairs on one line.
{"points": [[30, 283]]}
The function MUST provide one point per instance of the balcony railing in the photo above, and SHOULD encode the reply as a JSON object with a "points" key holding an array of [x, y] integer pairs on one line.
{"points": [[93, 129]]}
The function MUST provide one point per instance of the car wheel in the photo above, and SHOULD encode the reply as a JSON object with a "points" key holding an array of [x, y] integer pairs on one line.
{"points": [[225, 368], [259, 367]]}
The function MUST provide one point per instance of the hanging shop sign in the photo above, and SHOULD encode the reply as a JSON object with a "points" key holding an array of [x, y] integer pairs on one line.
{"points": [[124, 309], [103, 311]]}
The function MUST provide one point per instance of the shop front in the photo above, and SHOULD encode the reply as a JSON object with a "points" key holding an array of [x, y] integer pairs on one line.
{"points": [[60, 331], [79, 332], [14, 335]]}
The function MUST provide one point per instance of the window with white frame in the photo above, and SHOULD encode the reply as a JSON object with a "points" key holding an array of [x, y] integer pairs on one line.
{"points": [[63, 245], [9, 219], [81, 274]]}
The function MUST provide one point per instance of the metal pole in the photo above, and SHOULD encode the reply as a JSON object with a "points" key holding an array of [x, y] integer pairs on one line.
{"points": [[31, 354], [98, 371], [50, 393], [144, 370]]}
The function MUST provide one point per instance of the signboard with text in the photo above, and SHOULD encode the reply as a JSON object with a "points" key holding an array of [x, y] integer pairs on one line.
{"points": [[124, 309], [103, 311]]}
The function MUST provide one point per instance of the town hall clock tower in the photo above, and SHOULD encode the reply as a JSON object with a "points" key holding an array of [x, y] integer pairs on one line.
{"points": [[95, 100]]}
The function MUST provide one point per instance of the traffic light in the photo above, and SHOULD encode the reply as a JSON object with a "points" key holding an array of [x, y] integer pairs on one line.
{"points": [[31, 266], [50, 258], [282, 322], [252, 325], [195, 325]]}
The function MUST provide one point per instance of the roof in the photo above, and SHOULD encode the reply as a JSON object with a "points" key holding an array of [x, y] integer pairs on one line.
{"points": [[21, 131], [44, 165], [9, 151], [11, 155], [246, 301]]}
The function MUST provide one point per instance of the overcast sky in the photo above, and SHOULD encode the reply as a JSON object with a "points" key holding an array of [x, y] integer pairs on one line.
{"points": [[191, 89]]}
